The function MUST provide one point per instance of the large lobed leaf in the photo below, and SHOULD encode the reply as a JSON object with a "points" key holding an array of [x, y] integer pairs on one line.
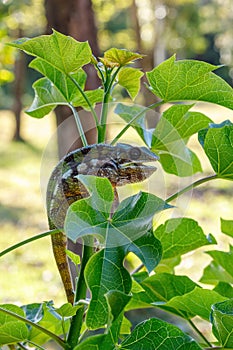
{"points": [[92, 216], [62, 52], [189, 80]]}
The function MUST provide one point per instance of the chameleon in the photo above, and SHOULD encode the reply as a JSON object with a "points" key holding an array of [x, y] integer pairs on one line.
{"points": [[121, 164]]}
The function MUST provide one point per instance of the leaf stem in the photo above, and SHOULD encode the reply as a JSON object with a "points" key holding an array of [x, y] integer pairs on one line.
{"points": [[41, 329], [199, 333], [28, 240], [93, 112], [191, 186], [79, 125], [154, 105], [81, 290]]}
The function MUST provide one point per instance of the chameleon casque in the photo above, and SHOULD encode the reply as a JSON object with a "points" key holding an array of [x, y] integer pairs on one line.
{"points": [[121, 164]]}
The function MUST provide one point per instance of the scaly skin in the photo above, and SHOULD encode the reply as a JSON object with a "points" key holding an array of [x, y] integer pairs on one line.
{"points": [[121, 164]]}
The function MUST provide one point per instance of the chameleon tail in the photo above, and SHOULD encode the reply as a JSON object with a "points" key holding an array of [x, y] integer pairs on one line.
{"points": [[59, 246]]}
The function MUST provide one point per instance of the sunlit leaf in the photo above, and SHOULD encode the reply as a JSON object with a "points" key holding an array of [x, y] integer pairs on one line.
{"points": [[197, 302], [119, 57], [189, 80], [181, 235], [62, 52], [227, 227], [129, 78], [155, 334]]}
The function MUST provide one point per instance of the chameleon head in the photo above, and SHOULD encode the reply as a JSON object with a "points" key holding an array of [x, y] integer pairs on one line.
{"points": [[121, 164]]}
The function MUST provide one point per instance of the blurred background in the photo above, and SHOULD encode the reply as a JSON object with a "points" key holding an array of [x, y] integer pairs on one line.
{"points": [[194, 29]]}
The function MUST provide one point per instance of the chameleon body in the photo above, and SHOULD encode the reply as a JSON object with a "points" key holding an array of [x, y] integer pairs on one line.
{"points": [[121, 164]]}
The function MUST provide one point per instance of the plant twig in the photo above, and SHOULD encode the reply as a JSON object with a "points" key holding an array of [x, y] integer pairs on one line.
{"points": [[190, 187], [154, 105], [28, 240]]}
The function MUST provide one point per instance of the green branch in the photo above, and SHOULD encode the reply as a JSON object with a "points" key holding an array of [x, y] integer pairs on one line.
{"points": [[41, 329], [190, 187], [154, 105], [28, 240]]}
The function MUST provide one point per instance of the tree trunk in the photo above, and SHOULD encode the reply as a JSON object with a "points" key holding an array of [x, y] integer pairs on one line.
{"points": [[18, 87], [75, 18]]}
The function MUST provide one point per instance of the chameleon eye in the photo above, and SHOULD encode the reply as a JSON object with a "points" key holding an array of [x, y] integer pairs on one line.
{"points": [[135, 153]]}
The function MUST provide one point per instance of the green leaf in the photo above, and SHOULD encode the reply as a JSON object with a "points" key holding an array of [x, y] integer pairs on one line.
{"points": [[119, 57], [223, 259], [129, 78], [222, 321], [49, 94], [177, 123], [179, 236], [11, 329], [105, 272], [52, 321], [96, 342], [225, 289], [218, 146], [189, 80], [148, 249], [227, 227], [180, 160], [62, 52], [92, 216], [198, 302], [67, 310], [214, 273], [165, 286], [170, 136], [75, 258], [155, 334]]}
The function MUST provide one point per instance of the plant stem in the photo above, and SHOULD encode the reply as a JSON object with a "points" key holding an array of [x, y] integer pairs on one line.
{"points": [[104, 113], [199, 333], [154, 105], [41, 329], [93, 112], [190, 187], [77, 320], [79, 125], [31, 239]]}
